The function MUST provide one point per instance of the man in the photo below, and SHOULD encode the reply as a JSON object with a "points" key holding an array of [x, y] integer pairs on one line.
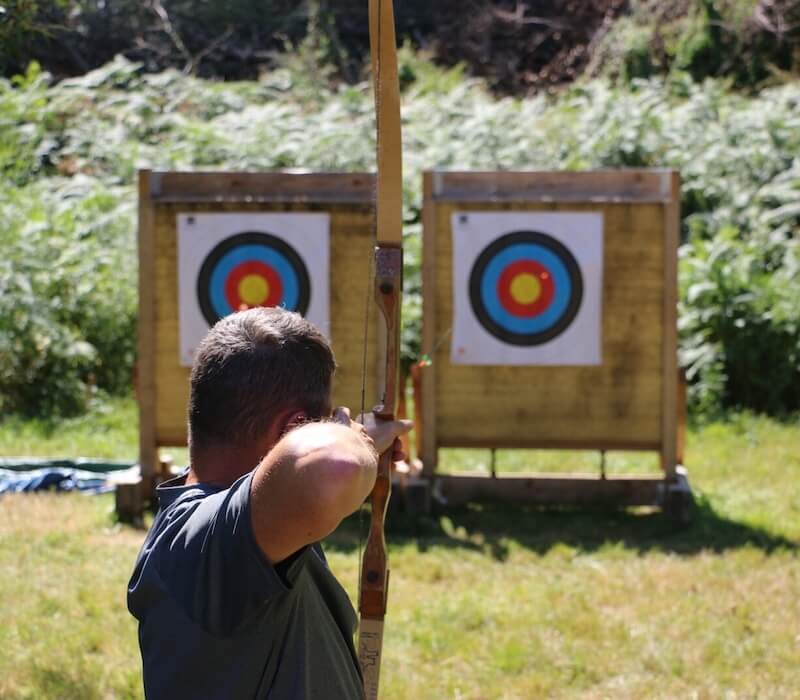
{"points": [[231, 589]]}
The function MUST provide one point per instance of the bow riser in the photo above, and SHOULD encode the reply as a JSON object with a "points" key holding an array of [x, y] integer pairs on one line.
{"points": [[375, 573]]}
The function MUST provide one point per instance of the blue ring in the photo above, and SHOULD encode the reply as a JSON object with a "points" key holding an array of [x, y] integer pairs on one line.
{"points": [[247, 253]]}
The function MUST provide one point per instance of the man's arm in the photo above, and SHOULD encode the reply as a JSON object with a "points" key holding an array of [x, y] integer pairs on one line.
{"points": [[317, 475]]}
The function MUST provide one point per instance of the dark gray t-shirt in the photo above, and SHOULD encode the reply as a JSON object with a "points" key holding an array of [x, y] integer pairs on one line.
{"points": [[217, 620]]}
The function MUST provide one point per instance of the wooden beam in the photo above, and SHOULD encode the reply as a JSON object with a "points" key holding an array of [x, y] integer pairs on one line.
{"points": [[551, 489], [328, 188], [524, 442], [554, 186]]}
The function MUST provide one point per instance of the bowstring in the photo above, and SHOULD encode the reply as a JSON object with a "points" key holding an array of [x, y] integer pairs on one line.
{"points": [[370, 283]]}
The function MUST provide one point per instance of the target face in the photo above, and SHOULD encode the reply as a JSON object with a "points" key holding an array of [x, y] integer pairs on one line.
{"points": [[232, 261], [526, 288], [252, 269]]}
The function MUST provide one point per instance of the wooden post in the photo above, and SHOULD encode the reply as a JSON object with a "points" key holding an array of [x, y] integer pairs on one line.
{"points": [[429, 446], [148, 447], [402, 409], [419, 411], [669, 430]]}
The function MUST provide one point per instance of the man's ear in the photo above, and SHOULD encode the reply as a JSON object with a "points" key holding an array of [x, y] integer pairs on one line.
{"points": [[293, 420], [282, 424]]}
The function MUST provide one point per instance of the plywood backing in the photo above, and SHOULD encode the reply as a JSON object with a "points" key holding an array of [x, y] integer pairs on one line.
{"points": [[619, 404], [351, 251]]}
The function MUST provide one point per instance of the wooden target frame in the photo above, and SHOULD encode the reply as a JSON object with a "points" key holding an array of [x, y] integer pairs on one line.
{"points": [[162, 383], [629, 402]]}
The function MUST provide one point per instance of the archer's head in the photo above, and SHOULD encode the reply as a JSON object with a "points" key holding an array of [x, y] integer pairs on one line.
{"points": [[256, 374]]}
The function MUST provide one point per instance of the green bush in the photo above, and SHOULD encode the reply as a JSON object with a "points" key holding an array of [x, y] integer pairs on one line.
{"points": [[69, 153], [67, 296], [740, 322]]}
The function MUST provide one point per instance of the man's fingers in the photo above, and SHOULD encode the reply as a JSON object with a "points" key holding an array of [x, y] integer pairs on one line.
{"points": [[400, 426], [341, 414], [403, 426]]}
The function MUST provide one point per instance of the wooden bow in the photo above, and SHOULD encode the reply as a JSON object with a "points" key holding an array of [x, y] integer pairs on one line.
{"points": [[388, 295]]}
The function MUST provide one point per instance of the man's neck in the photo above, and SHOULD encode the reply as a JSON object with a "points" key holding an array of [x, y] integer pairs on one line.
{"points": [[221, 466]]}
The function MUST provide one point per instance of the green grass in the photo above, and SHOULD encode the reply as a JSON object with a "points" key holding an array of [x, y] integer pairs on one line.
{"points": [[551, 461], [110, 430], [485, 602]]}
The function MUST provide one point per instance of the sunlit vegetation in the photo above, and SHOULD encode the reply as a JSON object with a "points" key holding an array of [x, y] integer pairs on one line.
{"points": [[69, 154]]}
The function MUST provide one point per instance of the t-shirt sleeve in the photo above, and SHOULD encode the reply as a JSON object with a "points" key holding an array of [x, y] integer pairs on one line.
{"points": [[209, 562]]}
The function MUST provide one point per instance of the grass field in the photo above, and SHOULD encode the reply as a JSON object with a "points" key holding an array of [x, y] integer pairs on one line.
{"points": [[485, 602]]}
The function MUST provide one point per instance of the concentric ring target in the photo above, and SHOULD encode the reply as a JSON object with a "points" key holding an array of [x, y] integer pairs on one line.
{"points": [[525, 288], [252, 269]]}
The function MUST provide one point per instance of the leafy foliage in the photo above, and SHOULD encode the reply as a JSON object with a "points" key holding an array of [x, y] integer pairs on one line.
{"points": [[69, 152], [749, 42], [67, 295], [740, 321]]}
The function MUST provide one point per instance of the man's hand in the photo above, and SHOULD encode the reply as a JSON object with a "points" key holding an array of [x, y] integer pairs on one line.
{"points": [[386, 434], [382, 434]]}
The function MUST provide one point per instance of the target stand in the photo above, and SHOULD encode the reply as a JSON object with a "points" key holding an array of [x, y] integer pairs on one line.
{"points": [[211, 243], [549, 319]]}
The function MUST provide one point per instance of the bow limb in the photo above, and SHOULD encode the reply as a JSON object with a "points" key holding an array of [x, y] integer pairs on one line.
{"points": [[388, 296]]}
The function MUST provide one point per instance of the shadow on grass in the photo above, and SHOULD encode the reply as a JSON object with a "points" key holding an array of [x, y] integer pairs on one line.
{"points": [[492, 528]]}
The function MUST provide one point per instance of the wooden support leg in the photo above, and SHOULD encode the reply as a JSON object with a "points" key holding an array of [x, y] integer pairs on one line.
{"points": [[678, 500], [129, 502], [681, 405]]}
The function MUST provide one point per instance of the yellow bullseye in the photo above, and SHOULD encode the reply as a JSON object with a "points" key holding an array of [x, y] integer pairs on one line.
{"points": [[525, 288], [253, 290]]}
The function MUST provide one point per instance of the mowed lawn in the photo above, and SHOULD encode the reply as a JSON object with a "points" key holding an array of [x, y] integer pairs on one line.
{"points": [[489, 602]]}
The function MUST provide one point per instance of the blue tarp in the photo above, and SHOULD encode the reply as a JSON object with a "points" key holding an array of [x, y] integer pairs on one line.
{"points": [[85, 464], [29, 474], [12, 481]]}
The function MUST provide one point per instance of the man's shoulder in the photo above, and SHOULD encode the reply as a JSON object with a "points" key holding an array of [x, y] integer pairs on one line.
{"points": [[187, 511], [201, 550]]}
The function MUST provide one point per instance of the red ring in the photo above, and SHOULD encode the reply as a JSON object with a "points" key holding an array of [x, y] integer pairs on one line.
{"points": [[530, 267], [253, 267]]}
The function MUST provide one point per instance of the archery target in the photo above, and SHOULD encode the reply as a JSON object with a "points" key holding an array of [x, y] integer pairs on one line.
{"points": [[234, 261], [252, 269], [527, 288]]}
